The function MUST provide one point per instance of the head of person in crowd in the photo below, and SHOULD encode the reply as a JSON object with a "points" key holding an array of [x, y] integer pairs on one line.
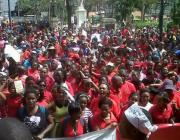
{"points": [[173, 76], [51, 51], [164, 73], [109, 67], [135, 79], [86, 83], [74, 110], [3, 80], [133, 98], [67, 65], [103, 80], [104, 71], [53, 65], [105, 105], [41, 88], [150, 65], [12, 68], [43, 73], [165, 62], [117, 82], [163, 101], [60, 76], [34, 66], [123, 74], [31, 97], [144, 97], [151, 75], [12, 89], [158, 68], [13, 129], [60, 96], [129, 65], [83, 100], [175, 63], [104, 90], [21, 70], [29, 81]]}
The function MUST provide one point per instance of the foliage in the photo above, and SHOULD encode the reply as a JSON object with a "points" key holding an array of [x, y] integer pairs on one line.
{"points": [[36, 6], [176, 12], [150, 23]]}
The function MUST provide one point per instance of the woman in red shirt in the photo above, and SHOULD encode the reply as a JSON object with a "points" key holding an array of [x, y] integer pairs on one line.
{"points": [[162, 112], [73, 125], [13, 101], [104, 118], [105, 92]]}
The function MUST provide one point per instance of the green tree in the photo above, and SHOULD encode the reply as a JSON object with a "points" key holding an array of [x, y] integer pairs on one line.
{"points": [[123, 8], [176, 12], [144, 6]]}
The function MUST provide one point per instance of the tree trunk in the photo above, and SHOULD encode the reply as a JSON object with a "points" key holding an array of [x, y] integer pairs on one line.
{"points": [[143, 12]]}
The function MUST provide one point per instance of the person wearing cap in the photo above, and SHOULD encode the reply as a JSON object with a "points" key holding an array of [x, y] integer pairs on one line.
{"points": [[136, 124]]}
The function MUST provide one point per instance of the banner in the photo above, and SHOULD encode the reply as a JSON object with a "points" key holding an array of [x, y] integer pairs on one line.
{"points": [[9, 51], [105, 134]]}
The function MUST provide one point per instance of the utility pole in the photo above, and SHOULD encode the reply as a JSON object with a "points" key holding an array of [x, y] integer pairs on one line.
{"points": [[9, 13], [161, 14]]}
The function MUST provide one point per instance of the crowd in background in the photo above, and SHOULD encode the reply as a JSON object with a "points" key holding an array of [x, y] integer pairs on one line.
{"points": [[84, 81]]}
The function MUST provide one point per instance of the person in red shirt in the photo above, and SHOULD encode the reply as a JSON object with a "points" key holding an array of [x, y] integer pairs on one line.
{"points": [[104, 118], [73, 125], [13, 101], [48, 79], [45, 97], [33, 71], [126, 88], [104, 92], [162, 112]]}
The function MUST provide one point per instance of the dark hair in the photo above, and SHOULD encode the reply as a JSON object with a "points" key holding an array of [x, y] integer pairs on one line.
{"points": [[10, 84], [64, 72], [133, 94], [80, 95], [143, 91], [164, 96], [74, 107], [12, 67], [13, 129], [105, 101], [29, 78], [30, 90]]}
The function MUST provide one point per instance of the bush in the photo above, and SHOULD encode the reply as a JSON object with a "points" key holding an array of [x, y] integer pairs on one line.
{"points": [[150, 23]]}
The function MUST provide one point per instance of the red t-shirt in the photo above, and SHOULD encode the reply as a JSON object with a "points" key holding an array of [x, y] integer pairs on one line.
{"points": [[49, 83], [115, 109], [13, 105], [98, 121], [158, 116], [126, 90], [69, 131], [34, 74]]}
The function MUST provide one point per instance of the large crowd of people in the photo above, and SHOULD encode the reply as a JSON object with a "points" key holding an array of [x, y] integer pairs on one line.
{"points": [[68, 83]]}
